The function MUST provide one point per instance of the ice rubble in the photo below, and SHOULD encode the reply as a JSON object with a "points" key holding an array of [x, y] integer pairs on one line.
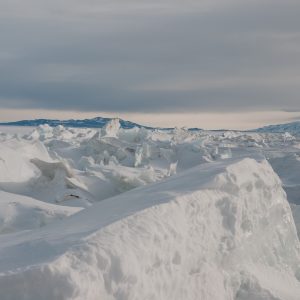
{"points": [[219, 229]]}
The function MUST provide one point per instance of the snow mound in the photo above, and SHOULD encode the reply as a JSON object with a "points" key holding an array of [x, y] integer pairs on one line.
{"points": [[218, 231], [19, 213]]}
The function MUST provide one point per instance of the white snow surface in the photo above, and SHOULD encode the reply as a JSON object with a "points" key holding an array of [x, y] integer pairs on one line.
{"points": [[140, 214]]}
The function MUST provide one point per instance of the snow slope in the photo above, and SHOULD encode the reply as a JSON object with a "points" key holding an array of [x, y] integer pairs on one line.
{"points": [[217, 231], [117, 213]]}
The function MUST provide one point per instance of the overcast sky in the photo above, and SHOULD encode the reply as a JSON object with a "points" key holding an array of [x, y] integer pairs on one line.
{"points": [[151, 58]]}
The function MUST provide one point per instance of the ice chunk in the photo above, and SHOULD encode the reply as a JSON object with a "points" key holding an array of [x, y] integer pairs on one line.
{"points": [[111, 129]]}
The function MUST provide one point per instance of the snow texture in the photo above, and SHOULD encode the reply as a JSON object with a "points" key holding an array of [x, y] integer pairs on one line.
{"points": [[117, 213]]}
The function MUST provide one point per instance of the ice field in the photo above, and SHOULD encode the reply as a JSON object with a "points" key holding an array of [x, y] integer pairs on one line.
{"points": [[128, 214]]}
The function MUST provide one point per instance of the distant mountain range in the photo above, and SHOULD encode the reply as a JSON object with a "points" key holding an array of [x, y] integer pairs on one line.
{"points": [[293, 127], [99, 122], [90, 123]]}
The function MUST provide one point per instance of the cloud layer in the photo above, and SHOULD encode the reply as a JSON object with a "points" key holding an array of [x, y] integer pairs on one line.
{"points": [[133, 56]]}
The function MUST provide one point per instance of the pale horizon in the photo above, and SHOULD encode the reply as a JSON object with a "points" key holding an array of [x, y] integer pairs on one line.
{"points": [[204, 120]]}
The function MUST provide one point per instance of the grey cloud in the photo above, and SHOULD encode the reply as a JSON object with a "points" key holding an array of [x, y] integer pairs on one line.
{"points": [[97, 59]]}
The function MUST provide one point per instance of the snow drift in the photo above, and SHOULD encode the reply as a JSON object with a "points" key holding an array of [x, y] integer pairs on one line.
{"points": [[221, 230]]}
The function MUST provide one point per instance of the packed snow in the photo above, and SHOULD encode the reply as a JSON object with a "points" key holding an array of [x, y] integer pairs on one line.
{"points": [[138, 213]]}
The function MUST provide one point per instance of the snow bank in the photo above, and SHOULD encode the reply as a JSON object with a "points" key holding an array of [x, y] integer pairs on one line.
{"points": [[218, 231]]}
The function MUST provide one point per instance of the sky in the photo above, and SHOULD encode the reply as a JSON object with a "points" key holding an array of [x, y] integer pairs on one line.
{"points": [[209, 64]]}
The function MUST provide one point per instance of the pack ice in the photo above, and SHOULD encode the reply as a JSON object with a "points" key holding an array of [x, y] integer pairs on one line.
{"points": [[130, 214]]}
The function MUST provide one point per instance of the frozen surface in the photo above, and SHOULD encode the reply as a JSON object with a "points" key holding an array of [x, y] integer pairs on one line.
{"points": [[118, 213]]}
